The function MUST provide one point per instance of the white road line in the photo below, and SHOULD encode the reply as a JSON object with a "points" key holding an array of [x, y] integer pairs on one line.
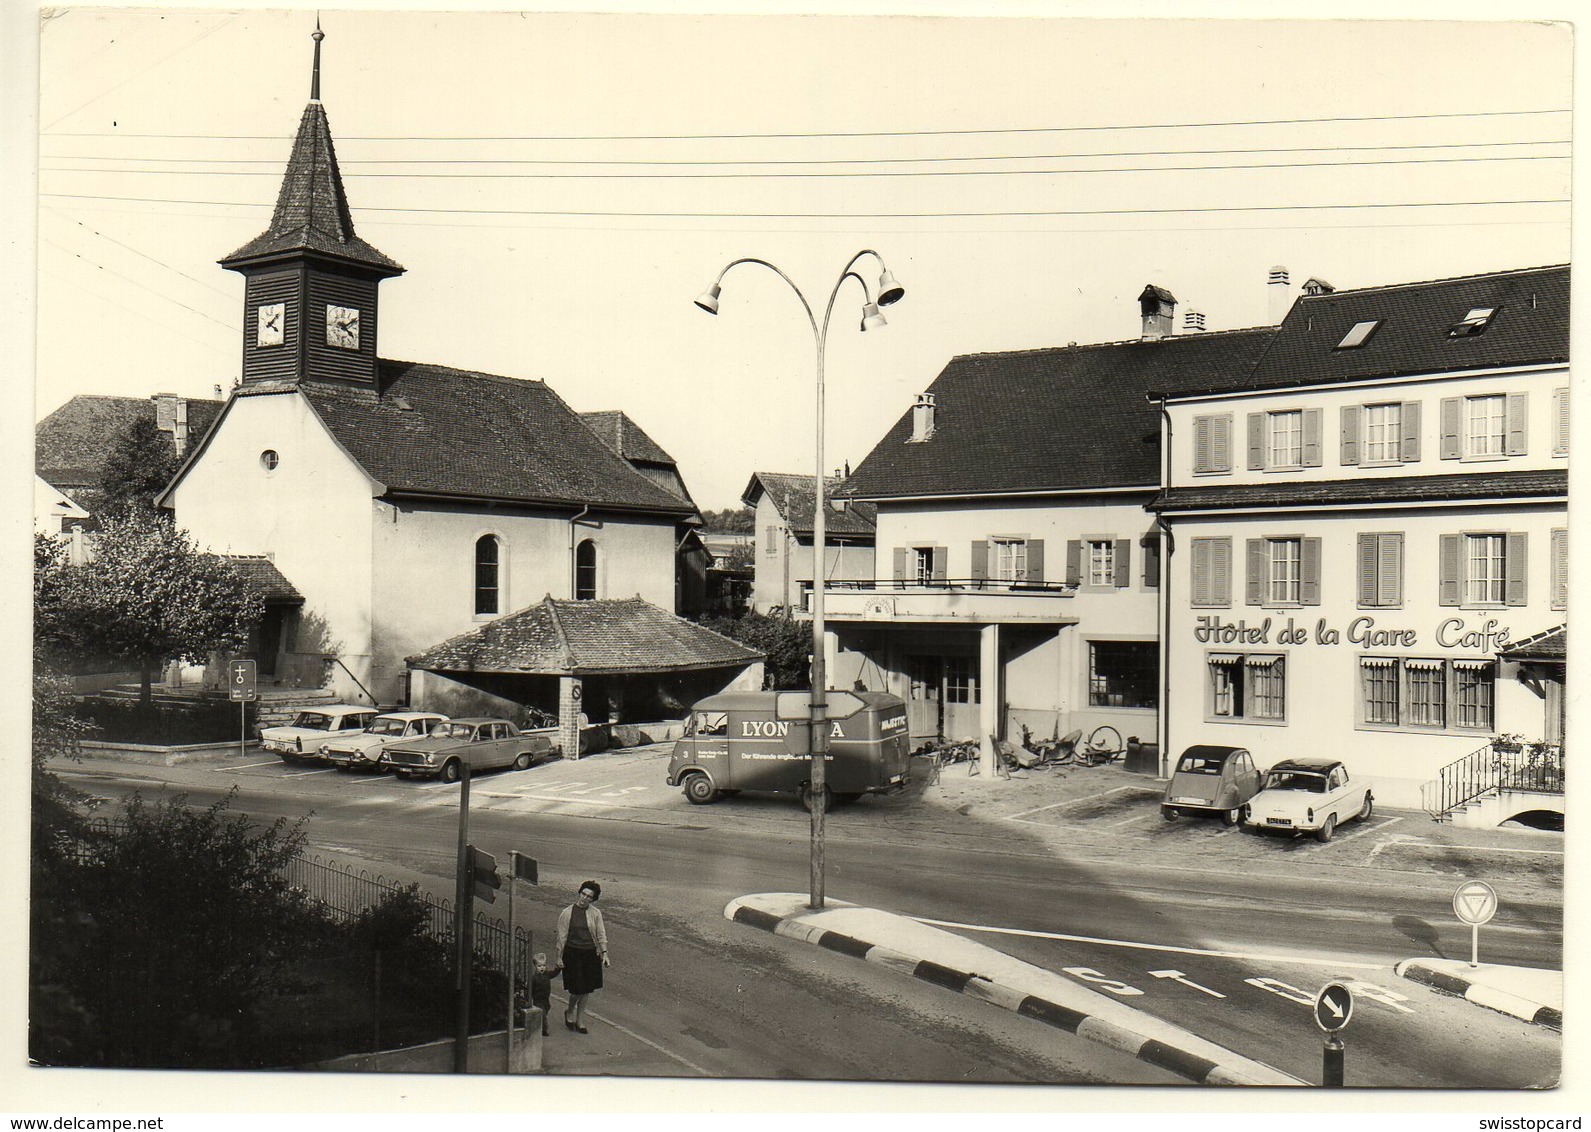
{"points": [[1067, 802], [302, 773], [1262, 957], [247, 766], [643, 1040]]}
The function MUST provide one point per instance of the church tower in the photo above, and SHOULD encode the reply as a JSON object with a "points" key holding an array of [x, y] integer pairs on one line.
{"points": [[310, 292]]}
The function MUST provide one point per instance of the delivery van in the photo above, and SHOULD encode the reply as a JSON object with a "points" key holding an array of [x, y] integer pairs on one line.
{"points": [[738, 741]]}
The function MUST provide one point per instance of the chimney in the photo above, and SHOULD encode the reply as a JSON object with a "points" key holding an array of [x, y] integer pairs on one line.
{"points": [[1317, 286], [1277, 290], [923, 417], [1159, 309], [1192, 321]]}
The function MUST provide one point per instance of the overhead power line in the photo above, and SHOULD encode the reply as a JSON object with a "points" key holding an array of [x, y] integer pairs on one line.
{"points": [[143, 255], [855, 133], [932, 215]]}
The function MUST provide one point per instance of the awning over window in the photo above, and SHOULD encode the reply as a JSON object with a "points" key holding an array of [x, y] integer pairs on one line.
{"points": [[1223, 658], [1421, 664], [1473, 665], [1378, 661], [1262, 661]]}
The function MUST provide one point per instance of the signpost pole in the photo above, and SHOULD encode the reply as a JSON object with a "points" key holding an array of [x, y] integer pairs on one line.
{"points": [[463, 923], [243, 727], [1332, 1065], [513, 967], [1474, 945]]}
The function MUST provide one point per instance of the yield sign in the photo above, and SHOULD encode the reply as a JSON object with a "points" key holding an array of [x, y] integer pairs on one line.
{"points": [[1475, 902], [1333, 1007]]}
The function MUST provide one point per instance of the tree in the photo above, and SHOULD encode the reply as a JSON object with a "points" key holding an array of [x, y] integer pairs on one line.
{"points": [[787, 645], [139, 463], [739, 520], [146, 597]]}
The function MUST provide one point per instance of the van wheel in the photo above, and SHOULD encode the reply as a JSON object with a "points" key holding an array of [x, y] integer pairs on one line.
{"points": [[806, 798], [1327, 828], [1364, 810], [1169, 813], [1232, 816], [699, 789], [450, 771]]}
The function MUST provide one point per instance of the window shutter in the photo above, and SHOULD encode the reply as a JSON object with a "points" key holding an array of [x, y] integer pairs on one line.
{"points": [[1122, 563], [980, 559], [940, 555], [902, 563], [1151, 551], [1560, 569], [1514, 567], [1452, 441], [1221, 443], [1220, 571], [1203, 571], [1256, 442], [1312, 427], [1352, 415], [1410, 412], [1035, 560], [1517, 406], [1074, 562], [1309, 572], [1449, 566], [1389, 570], [1254, 576], [1201, 444], [1560, 418], [1369, 559]]}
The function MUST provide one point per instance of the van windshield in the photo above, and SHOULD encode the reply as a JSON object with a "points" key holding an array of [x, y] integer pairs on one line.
{"points": [[711, 723]]}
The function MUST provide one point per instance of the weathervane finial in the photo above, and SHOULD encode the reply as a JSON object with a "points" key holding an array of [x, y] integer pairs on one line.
{"points": [[314, 82]]}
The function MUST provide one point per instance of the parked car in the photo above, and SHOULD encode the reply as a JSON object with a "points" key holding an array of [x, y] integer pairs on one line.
{"points": [[301, 740], [1309, 795], [363, 751], [486, 744], [1211, 780]]}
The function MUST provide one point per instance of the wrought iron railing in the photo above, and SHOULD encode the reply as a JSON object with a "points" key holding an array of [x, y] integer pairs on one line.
{"points": [[940, 585], [1500, 765]]}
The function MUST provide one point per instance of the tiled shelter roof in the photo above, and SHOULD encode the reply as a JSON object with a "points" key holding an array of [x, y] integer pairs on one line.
{"points": [[1553, 644], [272, 585]]}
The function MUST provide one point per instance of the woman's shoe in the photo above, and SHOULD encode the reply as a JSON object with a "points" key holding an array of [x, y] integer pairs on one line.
{"points": [[580, 1029], [568, 1022]]}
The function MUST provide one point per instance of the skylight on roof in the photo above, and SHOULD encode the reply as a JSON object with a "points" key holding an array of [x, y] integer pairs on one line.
{"points": [[1359, 334], [1475, 322]]}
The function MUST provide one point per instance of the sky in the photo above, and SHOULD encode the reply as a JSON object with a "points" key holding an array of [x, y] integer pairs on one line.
{"points": [[560, 187]]}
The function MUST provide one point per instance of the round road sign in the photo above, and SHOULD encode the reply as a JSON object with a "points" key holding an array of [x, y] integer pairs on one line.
{"points": [[1333, 1007], [1475, 902]]}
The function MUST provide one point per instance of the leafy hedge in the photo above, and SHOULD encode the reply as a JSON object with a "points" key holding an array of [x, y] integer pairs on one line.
{"points": [[166, 725]]}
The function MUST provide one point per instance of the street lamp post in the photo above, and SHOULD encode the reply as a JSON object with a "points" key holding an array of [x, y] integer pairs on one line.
{"points": [[889, 291]]}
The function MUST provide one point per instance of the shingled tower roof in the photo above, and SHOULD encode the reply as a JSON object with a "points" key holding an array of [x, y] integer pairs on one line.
{"points": [[312, 208]]}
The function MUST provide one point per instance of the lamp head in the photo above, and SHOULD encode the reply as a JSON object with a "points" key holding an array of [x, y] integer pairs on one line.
{"points": [[889, 291], [708, 299], [871, 318]]}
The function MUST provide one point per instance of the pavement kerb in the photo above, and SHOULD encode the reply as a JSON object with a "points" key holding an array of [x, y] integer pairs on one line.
{"points": [[953, 962], [1496, 987]]}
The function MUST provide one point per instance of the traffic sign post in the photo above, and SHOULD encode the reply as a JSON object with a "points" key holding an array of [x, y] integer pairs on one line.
{"points": [[520, 867], [1475, 903], [1333, 1009], [243, 686]]}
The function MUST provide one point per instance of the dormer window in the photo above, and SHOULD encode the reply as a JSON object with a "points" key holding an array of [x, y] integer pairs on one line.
{"points": [[1475, 322], [1359, 334]]}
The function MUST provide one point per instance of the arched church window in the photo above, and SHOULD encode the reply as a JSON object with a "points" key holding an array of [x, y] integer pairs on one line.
{"points": [[488, 554], [586, 570]]}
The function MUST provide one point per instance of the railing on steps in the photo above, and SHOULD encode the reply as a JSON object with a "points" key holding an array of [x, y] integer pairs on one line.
{"points": [[1520, 766]]}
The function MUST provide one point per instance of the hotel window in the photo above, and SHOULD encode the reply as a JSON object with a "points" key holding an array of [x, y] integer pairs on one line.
{"points": [[1283, 571], [1284, 440], [1212, 572], [919, 565], [487, 555], [1484, 427], [1380, 570], [1123, 674], [1387, 433], [1212, 443], [1483, 571], [923, 565], [1010, 559], [1484, 568], [1427, 693], [961, 680], [1098, 563], [1101, 562], [1252, 686]]}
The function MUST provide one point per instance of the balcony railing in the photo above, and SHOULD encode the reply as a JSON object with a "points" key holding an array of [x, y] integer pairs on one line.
{"points": [[951, 585], [1503, 764]]}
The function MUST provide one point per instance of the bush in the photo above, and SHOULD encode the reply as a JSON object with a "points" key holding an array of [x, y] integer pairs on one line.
{"points": [[166, 725], [786, 643]]}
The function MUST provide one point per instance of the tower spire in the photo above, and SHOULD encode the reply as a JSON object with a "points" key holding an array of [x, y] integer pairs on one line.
{"points": [[314, 80]]}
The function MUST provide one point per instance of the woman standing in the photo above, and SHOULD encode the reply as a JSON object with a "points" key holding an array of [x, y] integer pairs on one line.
{"points": [[583, 943]]}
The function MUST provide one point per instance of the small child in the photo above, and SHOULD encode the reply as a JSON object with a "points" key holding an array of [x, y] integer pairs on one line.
{"points": [[541, 988]]}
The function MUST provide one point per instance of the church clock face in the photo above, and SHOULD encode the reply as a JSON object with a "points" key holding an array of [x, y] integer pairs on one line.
{"points": [[269, 321], [342, 327]]}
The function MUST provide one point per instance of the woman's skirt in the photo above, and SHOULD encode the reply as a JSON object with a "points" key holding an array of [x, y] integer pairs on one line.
{"points": [[582, 970]]}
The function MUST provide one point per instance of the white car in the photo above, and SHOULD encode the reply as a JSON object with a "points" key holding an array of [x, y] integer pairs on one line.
{"points": [[1308, 796], [363, 751], [301, 740]]}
